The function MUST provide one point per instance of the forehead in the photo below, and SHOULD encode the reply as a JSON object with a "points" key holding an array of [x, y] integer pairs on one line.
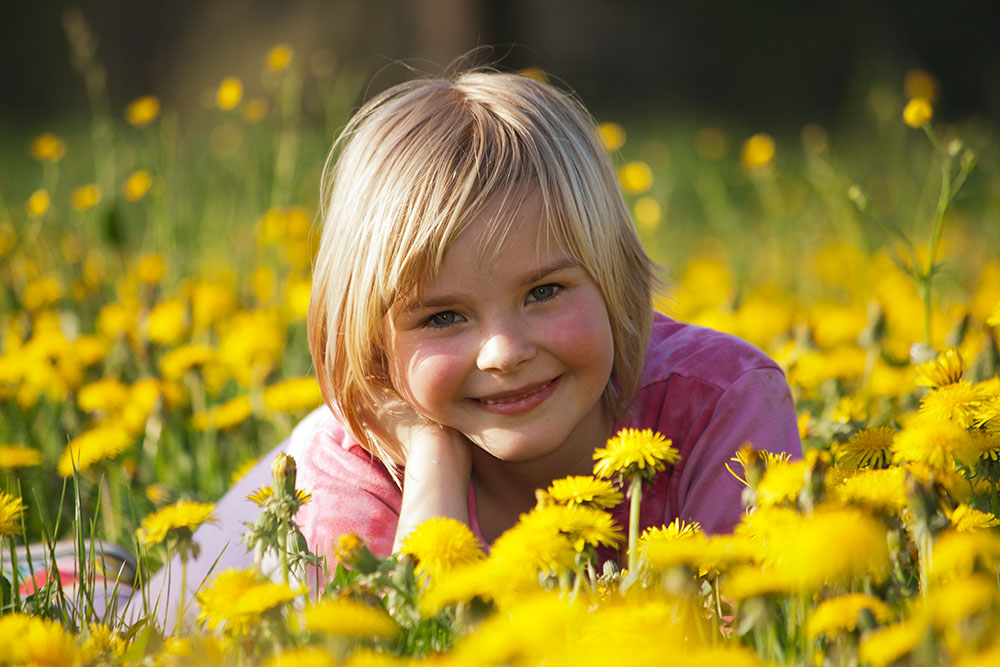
{"points": [[512, 229]]}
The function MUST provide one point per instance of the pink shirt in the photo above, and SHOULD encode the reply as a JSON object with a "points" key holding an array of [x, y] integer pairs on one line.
{"points": [[708, 392]]}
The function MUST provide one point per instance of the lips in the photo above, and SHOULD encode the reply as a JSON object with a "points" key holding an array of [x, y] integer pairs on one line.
{"points": [[519, 400]]}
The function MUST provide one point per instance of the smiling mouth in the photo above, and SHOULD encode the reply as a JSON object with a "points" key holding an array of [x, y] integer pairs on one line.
{"points": [[520, 400]]}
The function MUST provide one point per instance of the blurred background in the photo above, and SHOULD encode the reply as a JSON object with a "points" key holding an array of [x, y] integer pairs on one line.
{"points": [[766, 62]]}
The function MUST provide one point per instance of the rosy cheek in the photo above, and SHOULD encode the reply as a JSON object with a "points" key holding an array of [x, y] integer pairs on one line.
{"points": [[582, 332], [429, 376]]}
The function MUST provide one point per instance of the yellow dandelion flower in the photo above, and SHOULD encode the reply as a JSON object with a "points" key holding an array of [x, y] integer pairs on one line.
{"points": [[951, 604], [531, 547], [260, 599], [987, 657], [115, 320], [994, 319], [850, 409], [279, 57], [183, 517], [582, 490], [101, 642], [265, 493], [151, 268], [946, 369], [107, 395], [476, 579], [178, 361], [251, 343], [833, 545], [439, 544], [38, 203], [255, 110], [958, 402], [30, 640], [137, 185], [887, 645], [647, 213], [935, 443], [142, 111], [582, 524], [917, 112], [229, 94], [297, 295], [48, 148], [293, 395], [959, 554], [660, 553], [635, 177], [870, 448], [677, 529], [725, 551], [749, 581], [167, 321], [754, 462], [102, 442], [612, 135], [211, 302], [782, 483], [216, 598], [634, 452], [42, 292], [303, 656], [349, 618], [758, 151], [967, 519], [14, 456], [988, 445], [233, 412], [86, 197], [11, 510], [880, 490], [840, 614], [90, 349]]}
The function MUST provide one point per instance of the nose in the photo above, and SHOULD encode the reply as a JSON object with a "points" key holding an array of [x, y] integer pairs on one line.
{"points": [[505, 346]]}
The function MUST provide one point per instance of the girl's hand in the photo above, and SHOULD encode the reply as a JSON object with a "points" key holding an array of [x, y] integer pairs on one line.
{"points": [[438, 465]]}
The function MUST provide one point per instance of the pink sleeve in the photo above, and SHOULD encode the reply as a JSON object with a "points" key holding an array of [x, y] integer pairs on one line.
{"points": [[351, 493], [756, 408]]}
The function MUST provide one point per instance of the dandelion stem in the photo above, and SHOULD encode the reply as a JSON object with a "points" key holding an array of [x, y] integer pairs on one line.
{"points": [[635, 495], [180, 600]]}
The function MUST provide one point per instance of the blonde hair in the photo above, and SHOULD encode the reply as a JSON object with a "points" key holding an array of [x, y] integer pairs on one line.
{"points": [[411, 171]]}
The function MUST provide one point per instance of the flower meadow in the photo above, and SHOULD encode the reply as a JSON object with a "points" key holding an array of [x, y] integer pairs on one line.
{"points": [[156, 272]]}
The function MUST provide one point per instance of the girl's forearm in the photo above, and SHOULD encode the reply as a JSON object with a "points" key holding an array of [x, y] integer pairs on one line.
{"points": [[436, 481]]}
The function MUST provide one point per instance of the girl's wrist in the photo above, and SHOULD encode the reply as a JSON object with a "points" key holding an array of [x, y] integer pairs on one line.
{"points": [[436, 479]]}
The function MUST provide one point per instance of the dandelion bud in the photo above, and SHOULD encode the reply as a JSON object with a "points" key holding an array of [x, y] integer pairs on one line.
{"points": [[918, 111], [955, 147], [283, 470]]}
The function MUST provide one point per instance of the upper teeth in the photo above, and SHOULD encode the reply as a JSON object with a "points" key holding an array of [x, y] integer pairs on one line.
{"points": [[511, 399]]}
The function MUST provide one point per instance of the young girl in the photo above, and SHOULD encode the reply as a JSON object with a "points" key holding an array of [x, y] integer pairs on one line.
{"points": [[482, 319]]}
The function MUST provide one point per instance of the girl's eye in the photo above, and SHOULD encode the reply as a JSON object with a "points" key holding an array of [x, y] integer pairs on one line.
{"points": [[543, 292], [443, 319]]}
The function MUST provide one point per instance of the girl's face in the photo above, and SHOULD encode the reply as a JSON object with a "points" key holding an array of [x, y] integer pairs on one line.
{"points": [[514, 351]]}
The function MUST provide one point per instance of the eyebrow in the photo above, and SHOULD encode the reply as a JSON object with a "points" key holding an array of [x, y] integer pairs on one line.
{"points": [[413, 304]]}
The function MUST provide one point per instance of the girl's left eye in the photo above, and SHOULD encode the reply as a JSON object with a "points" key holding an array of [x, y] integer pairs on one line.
{"points": [[543, 292]]}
